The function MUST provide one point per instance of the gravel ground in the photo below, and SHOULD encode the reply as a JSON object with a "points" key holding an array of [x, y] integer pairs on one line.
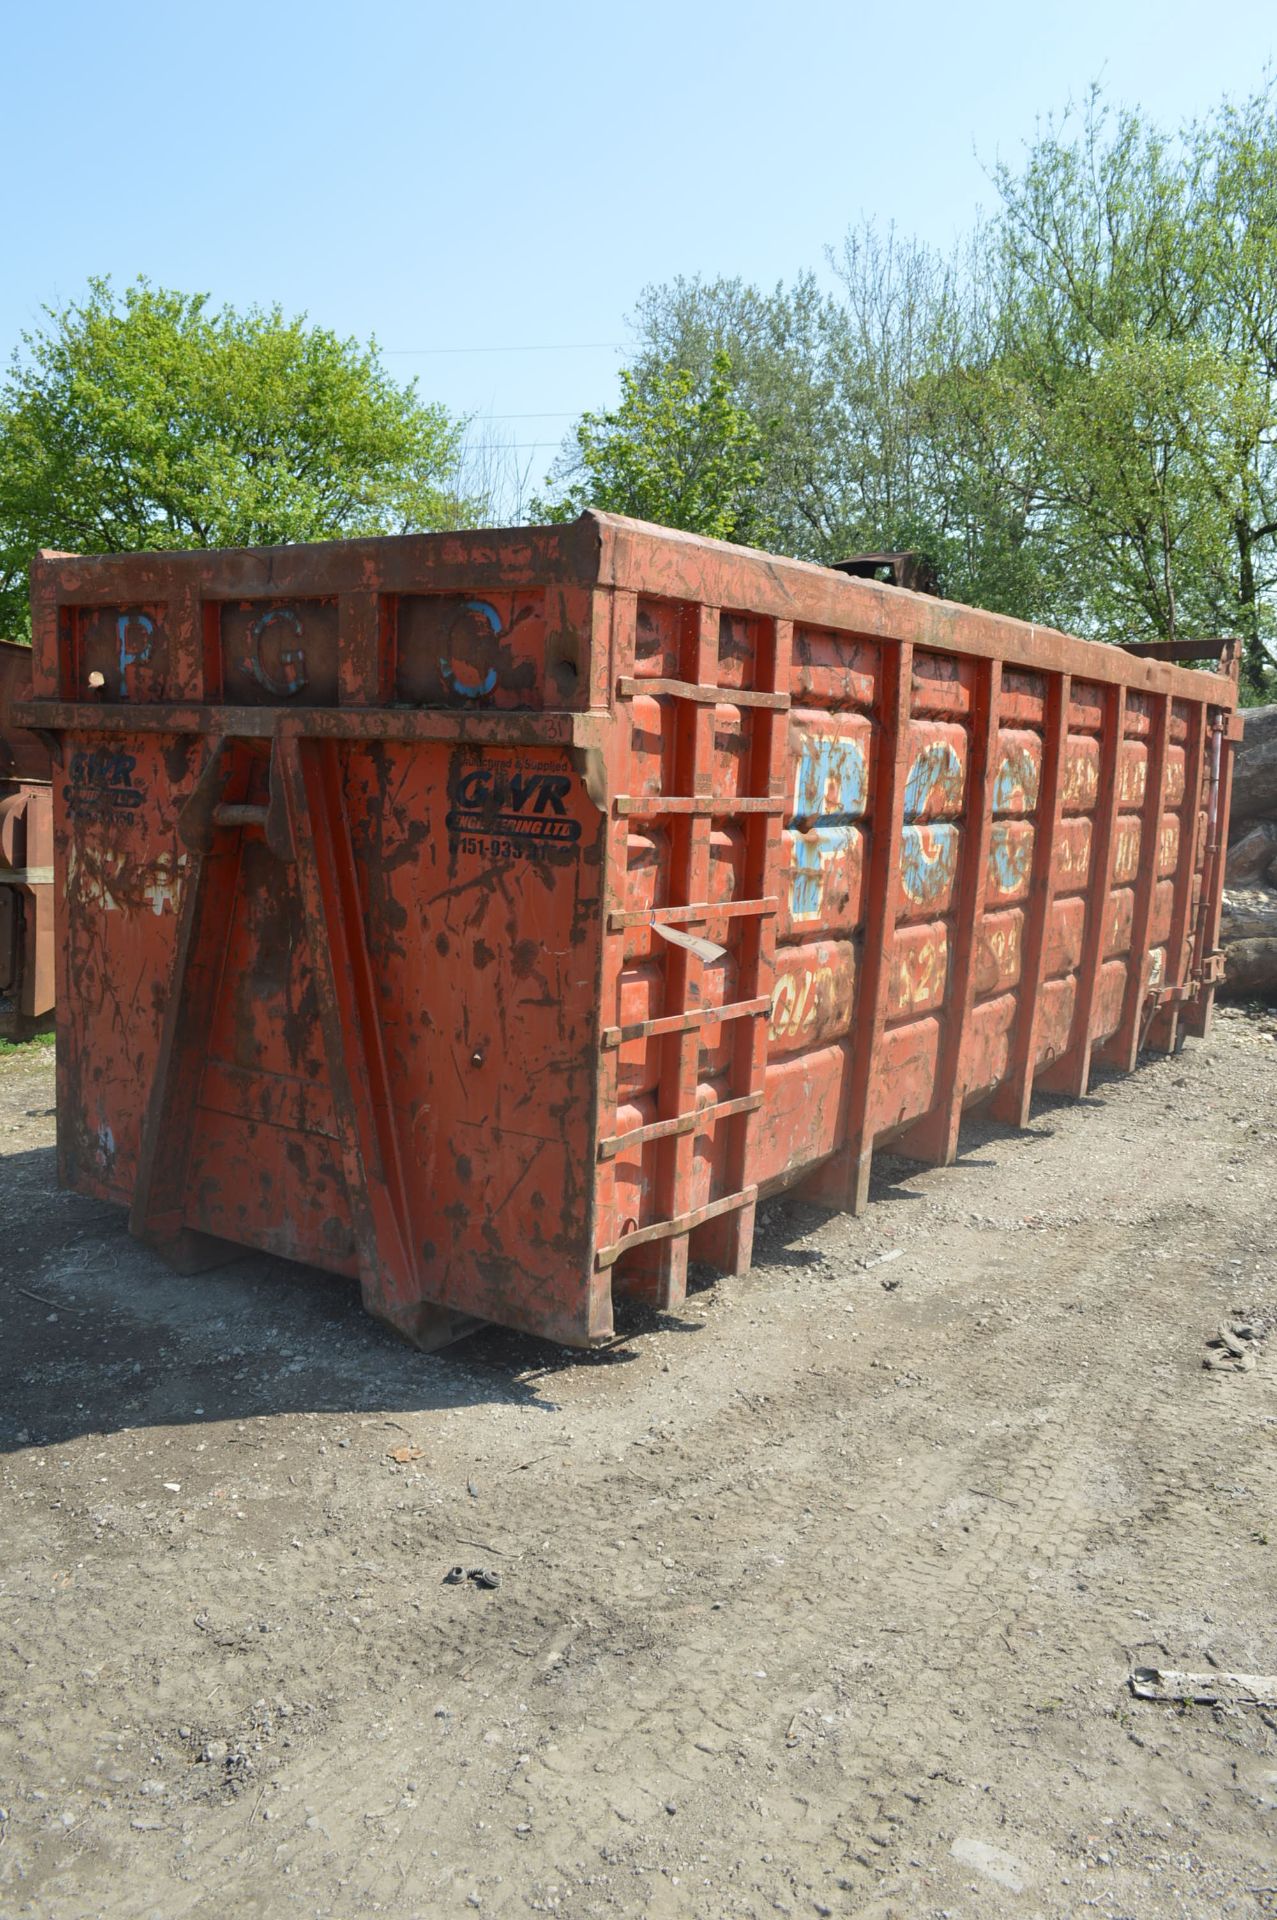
{"points": [[820, 1596]]}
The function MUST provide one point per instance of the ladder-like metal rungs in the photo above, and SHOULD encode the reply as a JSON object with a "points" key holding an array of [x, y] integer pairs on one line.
{"points": [[683, 1123], [670, 1229], [654, 806]]}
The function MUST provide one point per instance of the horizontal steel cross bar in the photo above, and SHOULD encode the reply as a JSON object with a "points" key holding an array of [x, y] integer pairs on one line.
{"points": [[682, 1123], [493, 727], [700, 910], [684, 1022], [628, 686], [668, 1229]]}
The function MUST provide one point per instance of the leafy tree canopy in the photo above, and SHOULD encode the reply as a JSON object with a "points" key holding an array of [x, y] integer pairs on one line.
{"points": [[677, 450], [148, 419], [1073, 415]]}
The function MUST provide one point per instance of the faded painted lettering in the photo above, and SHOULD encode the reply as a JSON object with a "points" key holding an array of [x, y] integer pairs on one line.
{"points": [[1126, 854], [1010, 857], [130, 651], [812, 995], [278, 624], [514, 813], [831, 788], [920, 967], [1015, 790], [1001, 942], [796, 999], [100, 785], [459, 682], [1081, 774], [928, 861], [1133, 775], [936, 771], [104, 877]]}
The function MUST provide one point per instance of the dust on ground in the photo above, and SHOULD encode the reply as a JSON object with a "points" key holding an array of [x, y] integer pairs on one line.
{"points": [[819, 1596]]}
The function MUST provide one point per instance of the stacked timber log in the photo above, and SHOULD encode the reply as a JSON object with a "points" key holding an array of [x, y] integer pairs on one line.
{"points": [[1248, 931]]}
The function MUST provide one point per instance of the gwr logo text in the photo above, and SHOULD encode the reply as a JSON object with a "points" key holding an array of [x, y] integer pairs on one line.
{"points": [[517, 813]]}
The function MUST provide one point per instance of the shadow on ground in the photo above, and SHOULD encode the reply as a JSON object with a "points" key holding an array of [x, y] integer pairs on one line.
{"points": [[101, 1335]]}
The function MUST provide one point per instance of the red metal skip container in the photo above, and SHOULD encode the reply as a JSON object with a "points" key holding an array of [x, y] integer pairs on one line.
{"points": [[495, 917], [26, 858]]}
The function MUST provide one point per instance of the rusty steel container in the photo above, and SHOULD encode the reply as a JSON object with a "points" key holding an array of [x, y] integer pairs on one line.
{"points": [[495, 917], [26, 858]]}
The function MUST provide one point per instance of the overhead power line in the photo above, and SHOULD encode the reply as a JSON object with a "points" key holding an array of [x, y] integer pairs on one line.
{"points": [[578, 346]]}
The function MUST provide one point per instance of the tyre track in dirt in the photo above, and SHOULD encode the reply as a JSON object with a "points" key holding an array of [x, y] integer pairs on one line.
{"points": [[680, 1715], [817, 1587]]}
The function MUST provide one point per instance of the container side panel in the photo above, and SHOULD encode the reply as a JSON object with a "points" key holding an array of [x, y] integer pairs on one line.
{"points": [[938, 840], [121, 653], [121, 871], [800, 1117], [272, 1186], [361, 962], [274, 650], [265, 1161], [1071, 878], [481, 873], [459, 650], [1120, 770], [479, 877], [700, 757]]}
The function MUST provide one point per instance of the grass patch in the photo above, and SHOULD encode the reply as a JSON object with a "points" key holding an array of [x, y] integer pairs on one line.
{"points": [[25, 1046]]}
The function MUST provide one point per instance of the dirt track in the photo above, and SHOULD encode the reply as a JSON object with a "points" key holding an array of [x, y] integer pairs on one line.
{"points": [[818, 1598]]}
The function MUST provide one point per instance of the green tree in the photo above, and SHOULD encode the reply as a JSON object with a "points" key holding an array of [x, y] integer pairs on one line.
{"points": [[1073, 415], [934, 457], [677, 450], [150, 420], [1142, 353], [877, 427], [776, 344]]}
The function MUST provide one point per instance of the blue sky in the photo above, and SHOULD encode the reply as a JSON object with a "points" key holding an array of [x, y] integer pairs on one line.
{"points": [[509, 176]]}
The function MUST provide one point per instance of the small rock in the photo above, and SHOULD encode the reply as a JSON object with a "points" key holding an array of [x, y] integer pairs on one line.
{"points": [[992, 1862]]}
